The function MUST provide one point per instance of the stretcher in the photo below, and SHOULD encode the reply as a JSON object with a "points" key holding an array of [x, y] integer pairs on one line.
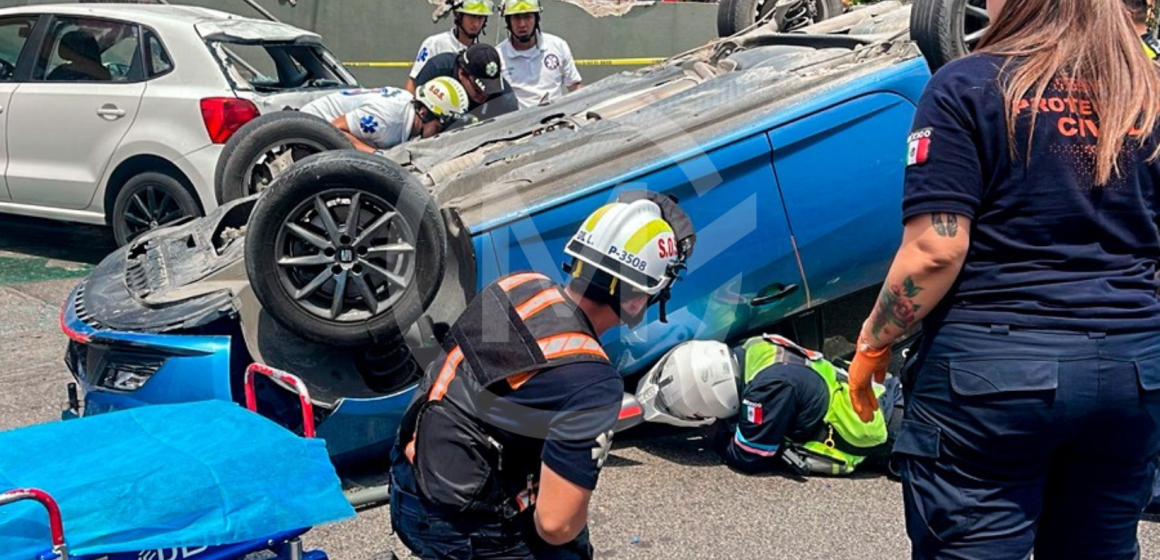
{"points": [[204, 481]]}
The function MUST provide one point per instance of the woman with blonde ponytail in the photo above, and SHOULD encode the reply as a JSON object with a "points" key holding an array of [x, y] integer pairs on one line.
{"points": [[1030, 256]]}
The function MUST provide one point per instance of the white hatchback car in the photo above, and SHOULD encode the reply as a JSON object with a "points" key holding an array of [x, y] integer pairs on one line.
{"points": [[116, 114]]}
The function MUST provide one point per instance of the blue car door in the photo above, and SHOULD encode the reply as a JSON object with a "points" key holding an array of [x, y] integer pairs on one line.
{"points": [[840, 173], [743, 251]]}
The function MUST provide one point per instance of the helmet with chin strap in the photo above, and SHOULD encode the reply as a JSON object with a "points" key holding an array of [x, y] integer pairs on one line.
{"points": [[515, 7], [482, 8], [474, 7], [635, 246]]}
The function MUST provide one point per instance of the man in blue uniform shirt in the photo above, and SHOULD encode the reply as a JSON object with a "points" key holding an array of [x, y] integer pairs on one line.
{"points": [[499, 453]]}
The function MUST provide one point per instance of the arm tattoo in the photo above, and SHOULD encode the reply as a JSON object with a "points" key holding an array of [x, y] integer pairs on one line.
{"points": [[896, 306], [946, 225]]}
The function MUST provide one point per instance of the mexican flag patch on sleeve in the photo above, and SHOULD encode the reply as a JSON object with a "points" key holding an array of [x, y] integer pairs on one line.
{"points": [[918, 147], [752, 412]]}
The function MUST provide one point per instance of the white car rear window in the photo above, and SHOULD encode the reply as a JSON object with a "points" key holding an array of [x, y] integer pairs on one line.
{"points": [[273, 67]]}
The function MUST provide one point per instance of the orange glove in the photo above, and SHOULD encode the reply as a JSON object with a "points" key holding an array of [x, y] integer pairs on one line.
{"points": [[868, 363]]}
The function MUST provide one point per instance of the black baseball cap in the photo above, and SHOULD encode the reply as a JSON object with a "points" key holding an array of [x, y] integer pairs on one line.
{"points": [[482, 64]]}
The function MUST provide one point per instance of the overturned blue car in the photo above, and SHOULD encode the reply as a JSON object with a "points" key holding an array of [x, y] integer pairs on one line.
{"points": [[785, 149]]}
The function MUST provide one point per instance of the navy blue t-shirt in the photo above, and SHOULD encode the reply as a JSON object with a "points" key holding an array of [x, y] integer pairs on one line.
{"points": [[1049, 249], [564, 416]]}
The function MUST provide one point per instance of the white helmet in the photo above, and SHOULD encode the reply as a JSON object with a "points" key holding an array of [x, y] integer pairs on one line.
{"points": [[693, 385], [444, 98], [630, 241], [640, 242]]}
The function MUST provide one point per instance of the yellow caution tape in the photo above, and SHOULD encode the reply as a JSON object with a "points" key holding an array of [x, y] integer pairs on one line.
{"points": [[618, 61], [581, 62]]}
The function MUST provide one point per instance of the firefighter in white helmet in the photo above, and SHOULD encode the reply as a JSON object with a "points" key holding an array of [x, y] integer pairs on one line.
{"points": [[783, 406], [693, 385], [470, 22], [377, 119], [538, 65], [499, 453]]}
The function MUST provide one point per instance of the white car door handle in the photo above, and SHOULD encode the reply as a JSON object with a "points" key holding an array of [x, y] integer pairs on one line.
{"points": [[110, 112]]}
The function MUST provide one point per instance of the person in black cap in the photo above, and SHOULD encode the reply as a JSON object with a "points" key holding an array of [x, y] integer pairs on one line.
{"points": [[480, 70]]}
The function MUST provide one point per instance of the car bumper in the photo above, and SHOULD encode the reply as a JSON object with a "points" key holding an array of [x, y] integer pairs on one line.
{"points": [[186, 368], [362, 429], [176, 368]]}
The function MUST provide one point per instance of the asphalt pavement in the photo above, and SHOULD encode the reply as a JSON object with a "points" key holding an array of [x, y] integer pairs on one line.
{"points": [[661, 495]]}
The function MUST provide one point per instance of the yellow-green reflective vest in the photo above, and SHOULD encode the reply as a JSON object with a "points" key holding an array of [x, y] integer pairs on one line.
{"points": [[1151, 45], [846, 439]]}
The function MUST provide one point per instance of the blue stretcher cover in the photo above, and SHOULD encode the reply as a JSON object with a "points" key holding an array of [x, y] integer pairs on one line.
{"points": [[196, 474]]}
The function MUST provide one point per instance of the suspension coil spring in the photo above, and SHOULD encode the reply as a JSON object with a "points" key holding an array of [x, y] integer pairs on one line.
{"points": [[799, 16], [388, 364]]}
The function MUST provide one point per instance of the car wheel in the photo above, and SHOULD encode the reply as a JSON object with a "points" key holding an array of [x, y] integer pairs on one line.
{"points": [[265, 147], [947, 29], [735, 15], [346, 248], [148, 201]]}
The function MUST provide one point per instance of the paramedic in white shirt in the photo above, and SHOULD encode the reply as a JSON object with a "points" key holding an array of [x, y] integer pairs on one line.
{"points": [[470, 21], [377, 119], [539, 66]]}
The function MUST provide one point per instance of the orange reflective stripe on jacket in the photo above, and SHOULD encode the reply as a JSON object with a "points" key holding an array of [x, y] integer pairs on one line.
{"points": [[568, 344], [516, 381], [446, 374], [539, 302], [558, 346], [553, 347], [507, 284]]}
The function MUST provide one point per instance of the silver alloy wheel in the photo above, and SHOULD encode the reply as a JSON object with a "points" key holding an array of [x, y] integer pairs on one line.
{"points": [[797, 17], [975, 22], [345, 255], [274, 159]]}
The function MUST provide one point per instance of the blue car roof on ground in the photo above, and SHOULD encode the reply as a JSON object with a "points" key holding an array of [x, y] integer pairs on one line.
{"points": [[196, 474]]}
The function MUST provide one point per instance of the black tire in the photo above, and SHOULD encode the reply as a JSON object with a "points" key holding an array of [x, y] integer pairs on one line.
{"points": [[828, 9], [946, 29], [295, 278], [735, 15], [148, 201], [237, 174]]}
